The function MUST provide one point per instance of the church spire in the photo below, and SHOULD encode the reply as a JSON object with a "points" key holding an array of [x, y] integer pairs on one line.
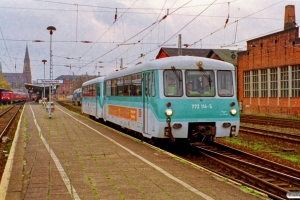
{"points": [[27, 69], [26, 55]]}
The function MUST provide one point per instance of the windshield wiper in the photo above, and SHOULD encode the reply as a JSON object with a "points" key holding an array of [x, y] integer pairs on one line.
{"points": [[174, 71]]}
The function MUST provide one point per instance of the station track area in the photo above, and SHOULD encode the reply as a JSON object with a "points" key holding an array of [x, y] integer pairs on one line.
{"points": [[9, 117], [271, 121], [72, 157], [260, 174]]}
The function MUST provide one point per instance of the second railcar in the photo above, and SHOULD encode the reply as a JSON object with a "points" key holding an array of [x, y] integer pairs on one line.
{"points": [[92, 97], [77, 97]]}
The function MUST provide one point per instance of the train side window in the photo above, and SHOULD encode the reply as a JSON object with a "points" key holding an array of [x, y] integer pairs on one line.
{"points": [[225, 83], [120, 86], [172, 83], [108, 87], [127, 86], [114, 87], [152, 84], [136, 84]]}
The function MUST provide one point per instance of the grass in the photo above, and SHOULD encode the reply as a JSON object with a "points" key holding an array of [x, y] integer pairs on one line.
{"points": [[93, 188], [249, 190], [296, 118], [275, 150], [295, 158]]}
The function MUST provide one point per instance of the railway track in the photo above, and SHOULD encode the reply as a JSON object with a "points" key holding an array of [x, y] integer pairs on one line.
{"points": [[265, 176], [7, 117], [271, 121], [287, 137]]}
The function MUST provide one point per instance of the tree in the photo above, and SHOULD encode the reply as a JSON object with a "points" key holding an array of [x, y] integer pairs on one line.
{"points": [[4, 84]]}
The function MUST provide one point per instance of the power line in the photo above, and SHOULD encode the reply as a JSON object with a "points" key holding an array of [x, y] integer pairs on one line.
{"points": [[234, 22]]}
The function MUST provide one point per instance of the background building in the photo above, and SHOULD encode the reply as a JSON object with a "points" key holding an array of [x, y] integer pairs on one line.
{"points": [[269, 71], [71, 83], [17, 80]]}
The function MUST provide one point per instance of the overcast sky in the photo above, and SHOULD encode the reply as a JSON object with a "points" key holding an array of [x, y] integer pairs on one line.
{"points": [[137, 34]]}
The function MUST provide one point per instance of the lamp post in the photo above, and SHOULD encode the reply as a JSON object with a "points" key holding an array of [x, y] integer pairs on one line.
{"points": [[44, 61], [51, 29], [68, 83]]}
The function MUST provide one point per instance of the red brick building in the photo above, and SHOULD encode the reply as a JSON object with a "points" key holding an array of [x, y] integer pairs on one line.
{"points": [[269, 71]]}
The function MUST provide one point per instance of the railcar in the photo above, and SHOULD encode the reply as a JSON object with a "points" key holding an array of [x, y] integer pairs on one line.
{"points": [[92, 98], [77, 97], [6, 96], [181, 97], [18, 96], [10, 97]]}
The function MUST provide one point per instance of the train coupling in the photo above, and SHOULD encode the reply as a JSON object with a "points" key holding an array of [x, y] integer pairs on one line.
{"points": [[168, 130]]}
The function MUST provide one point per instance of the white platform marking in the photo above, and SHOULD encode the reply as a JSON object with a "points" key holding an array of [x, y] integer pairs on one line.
{"points": [[60, 168]]}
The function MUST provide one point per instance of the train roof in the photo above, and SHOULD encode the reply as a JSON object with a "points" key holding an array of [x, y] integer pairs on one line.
{"points": [[95, 80], [2, 89], [78, 90], [179, 62]]}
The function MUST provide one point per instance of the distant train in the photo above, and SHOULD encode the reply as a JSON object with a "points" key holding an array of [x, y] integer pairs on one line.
{"points": [[77, 97], [181, 97], [10, 97]]}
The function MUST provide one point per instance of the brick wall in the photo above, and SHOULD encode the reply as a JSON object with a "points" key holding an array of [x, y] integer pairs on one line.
{"points": [[276, 50]]}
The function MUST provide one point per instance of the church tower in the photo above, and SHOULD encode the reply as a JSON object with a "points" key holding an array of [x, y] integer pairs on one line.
{"points": [[27, 68]]}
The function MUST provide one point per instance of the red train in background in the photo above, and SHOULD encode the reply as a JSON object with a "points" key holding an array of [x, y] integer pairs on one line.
{"points": [[9, 96]]}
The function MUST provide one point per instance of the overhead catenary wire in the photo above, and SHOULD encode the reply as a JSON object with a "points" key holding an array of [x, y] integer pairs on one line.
{"points": [[234, 22], [157, 21], [142, 38]]}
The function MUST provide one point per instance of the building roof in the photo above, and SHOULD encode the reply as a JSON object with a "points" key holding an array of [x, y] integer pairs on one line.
{"points": [[226, 55], [63, 77], [14, 77], [185, 52]]}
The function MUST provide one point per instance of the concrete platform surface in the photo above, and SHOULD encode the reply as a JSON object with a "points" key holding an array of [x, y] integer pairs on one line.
{"points": [[69, 156]]}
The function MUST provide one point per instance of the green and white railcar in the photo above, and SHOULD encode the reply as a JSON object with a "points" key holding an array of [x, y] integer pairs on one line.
{"points": [[92, 97], [77, 97], [155, 100]]}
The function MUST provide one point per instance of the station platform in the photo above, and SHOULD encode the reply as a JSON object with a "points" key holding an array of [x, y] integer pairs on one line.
{"points": [[69, 156]]}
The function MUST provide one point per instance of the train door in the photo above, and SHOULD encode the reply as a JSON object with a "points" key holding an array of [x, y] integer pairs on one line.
{"points": [[97, 99], [148, 94], [146, 80]]}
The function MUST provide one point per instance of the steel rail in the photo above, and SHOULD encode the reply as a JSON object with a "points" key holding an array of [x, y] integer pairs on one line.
{"points": [[294, 138], [3, 113], [9, 123], [245, 178]]}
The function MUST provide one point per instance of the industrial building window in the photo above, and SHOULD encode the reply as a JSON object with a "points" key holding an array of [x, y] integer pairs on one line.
{"points": [[247, 84], [296, 81], [264, 83], [284, 82], [273, 82], [255, 83]]}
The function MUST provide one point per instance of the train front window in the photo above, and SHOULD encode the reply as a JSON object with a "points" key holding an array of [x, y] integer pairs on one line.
{"points": [[173, 83], [200, 83], [225, 84]]}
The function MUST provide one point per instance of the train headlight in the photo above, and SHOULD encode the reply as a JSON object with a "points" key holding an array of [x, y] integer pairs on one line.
{"points": [[233, 111], [169, 112]]}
